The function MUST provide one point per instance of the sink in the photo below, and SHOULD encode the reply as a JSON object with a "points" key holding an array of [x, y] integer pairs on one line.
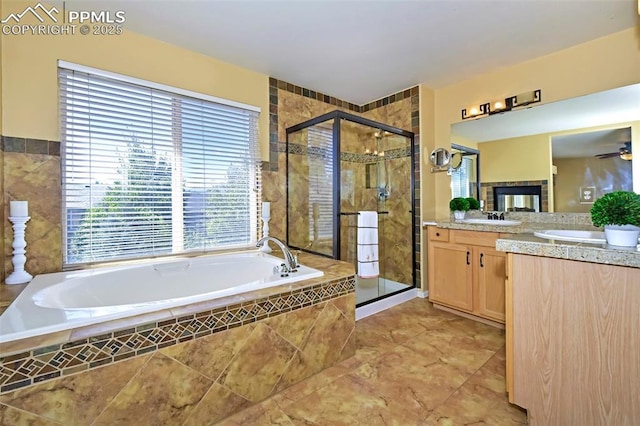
{"points": [[572, 235], [503, 222]]}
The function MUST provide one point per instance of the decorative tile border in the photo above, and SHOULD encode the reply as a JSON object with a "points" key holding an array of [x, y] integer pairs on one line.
{"points": [[352, 157], [30, 146], [25, 369]]}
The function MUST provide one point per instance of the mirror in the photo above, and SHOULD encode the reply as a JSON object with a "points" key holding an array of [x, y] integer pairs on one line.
{"points": [[523, 148], [456, 159], [440, 157]]}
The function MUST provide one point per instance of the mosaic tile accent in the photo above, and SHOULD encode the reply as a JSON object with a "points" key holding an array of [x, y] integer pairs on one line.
{"points": [[41, 364], [353, 157], [30, 146]]}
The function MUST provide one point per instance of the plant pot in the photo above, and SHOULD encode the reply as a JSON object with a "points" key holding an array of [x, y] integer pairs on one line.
{"points": [[458, 214], [622, 235]]}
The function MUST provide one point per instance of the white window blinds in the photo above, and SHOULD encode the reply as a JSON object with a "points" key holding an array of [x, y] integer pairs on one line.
{"points": [[461, 179], [148, 172]]}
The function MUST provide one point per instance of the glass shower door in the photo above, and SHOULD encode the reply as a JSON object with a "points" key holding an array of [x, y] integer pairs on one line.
{"points": [[375, 176]]}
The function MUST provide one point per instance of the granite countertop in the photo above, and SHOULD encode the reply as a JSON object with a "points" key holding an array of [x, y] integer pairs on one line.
{"points": [[583, 252], [523, 241]]}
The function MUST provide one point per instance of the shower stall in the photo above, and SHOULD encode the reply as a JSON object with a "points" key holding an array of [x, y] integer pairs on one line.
{"points": [[350, 196]]}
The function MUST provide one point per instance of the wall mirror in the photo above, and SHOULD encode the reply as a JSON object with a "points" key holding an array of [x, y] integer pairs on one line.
{"points": [[560, 148]]}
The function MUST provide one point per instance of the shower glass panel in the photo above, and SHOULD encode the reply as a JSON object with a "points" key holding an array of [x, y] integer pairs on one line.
{"points": [[310, 188], [375, 175], [342, 168]]}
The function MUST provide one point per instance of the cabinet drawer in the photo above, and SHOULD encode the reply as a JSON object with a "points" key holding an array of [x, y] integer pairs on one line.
{"points": [[476, 238], [438, 234]]}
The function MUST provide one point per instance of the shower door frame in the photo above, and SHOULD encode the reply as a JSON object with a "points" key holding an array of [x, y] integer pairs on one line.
{"points": [[338, 116]]}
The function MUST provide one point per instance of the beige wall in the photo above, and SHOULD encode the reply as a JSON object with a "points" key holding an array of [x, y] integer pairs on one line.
{"points": [[30, 102], [517, 159], [602, 64], [605, 175]]}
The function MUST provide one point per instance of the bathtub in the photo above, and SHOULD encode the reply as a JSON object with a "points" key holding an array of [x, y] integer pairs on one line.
{"points": [[67, 300]]}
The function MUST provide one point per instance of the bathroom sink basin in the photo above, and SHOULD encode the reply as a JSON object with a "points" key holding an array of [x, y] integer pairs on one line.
{"points": [[572, 235], [492, 222]]}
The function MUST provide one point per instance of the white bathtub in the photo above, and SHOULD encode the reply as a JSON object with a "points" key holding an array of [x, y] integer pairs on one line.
{"points": [[67, 300]]}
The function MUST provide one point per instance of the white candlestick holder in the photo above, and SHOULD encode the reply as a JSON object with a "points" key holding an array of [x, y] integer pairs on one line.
{"points": [[19, 275], [265, 233]]}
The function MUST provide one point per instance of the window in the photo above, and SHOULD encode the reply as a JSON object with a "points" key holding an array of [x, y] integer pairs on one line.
{"points": [[461, 182], [150, 170]]}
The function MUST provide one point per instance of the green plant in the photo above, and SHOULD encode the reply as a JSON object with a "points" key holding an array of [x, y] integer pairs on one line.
{"points": [[473, 203], [459, 204], [616, 208]]}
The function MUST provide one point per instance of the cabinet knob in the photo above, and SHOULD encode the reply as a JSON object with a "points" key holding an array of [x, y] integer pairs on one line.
{"points": [[437, 234]]}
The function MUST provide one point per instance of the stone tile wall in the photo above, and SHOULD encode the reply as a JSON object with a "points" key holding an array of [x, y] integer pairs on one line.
{"points": [[291, 105], [31, 171], [486, 192], [193, 370]]}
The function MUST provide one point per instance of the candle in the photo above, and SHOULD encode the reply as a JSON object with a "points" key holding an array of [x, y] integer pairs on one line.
{"points": [[19, 209], [266, 209]]}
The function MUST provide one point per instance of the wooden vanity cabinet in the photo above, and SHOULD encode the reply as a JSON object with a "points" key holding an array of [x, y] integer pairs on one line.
{"points": [[466, 273]]}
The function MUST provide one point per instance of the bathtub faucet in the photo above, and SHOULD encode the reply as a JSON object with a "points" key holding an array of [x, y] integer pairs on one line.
{"points": [[290, 261]]}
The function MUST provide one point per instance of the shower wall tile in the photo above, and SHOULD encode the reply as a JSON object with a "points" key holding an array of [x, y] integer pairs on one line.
{"points": [[291, 105]]}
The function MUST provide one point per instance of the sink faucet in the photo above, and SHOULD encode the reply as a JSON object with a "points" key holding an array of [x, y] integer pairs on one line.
{"points": [[290, 261]]}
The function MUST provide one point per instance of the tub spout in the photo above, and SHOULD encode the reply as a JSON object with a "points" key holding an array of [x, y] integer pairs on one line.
{"points": [[289, 259]]}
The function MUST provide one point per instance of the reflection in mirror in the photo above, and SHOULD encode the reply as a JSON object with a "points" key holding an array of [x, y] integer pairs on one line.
{"points": [[465, 178], [523, 148], [456, 160], [440, 157], [589, 165]]}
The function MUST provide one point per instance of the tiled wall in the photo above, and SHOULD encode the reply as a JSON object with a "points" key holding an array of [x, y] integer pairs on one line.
{"points": [[195, 369], [291, 105], [31, 171]]}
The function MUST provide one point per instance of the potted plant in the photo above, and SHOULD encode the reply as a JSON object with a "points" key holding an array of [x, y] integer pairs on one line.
{"points": [[459, 206], [474, 204], [619, 213]]}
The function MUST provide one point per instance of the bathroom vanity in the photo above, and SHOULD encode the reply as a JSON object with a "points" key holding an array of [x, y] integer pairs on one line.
{"points": [[466, 273], [572, 328]]}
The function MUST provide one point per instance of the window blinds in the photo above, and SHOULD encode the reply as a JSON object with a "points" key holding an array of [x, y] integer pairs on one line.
{"points": [[148, 172]]}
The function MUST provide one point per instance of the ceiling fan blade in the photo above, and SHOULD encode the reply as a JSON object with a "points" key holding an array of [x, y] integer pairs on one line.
{"points": [[607, 155]]}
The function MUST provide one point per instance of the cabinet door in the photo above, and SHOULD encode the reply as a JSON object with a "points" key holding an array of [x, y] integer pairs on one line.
{"points": [[450, 275], [491, 267]]}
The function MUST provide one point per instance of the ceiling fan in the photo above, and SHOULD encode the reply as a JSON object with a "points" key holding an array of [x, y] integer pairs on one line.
{"points": [[624, 153]]}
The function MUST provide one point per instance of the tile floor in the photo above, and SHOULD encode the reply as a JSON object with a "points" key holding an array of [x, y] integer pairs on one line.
{"points": [[415, 365]]}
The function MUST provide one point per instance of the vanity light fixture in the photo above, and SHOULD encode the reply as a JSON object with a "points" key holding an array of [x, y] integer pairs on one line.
{"points": [[498, 106], [524, 99], [475, 110]]}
